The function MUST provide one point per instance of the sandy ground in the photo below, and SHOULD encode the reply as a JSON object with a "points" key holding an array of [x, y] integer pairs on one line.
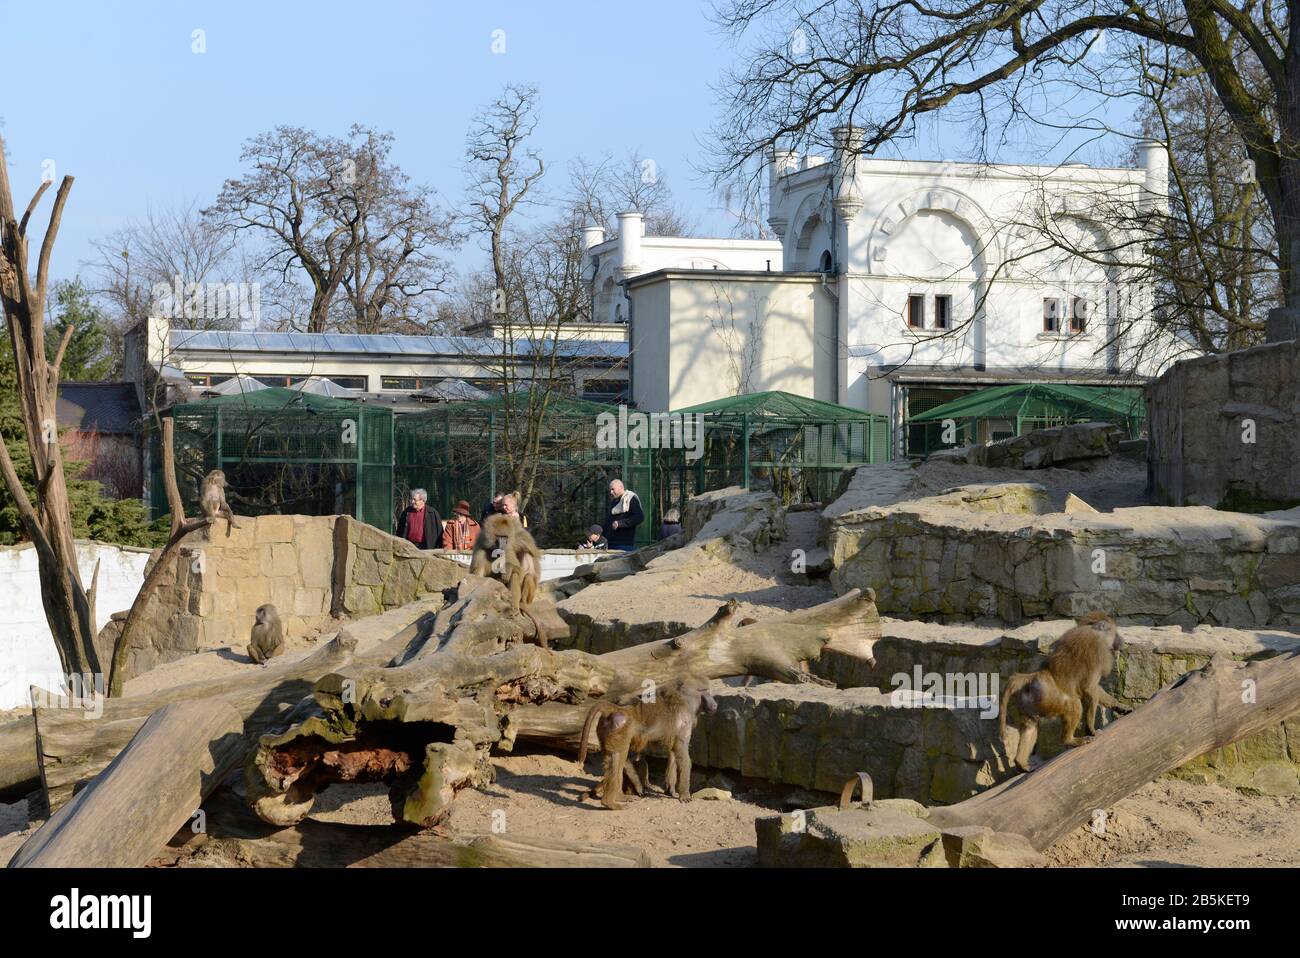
{"points": [[1167, 823]]}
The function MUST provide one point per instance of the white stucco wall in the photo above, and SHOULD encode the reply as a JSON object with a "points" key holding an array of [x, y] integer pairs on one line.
{"points": [[699, 336], [609, 263], [556, 563], [27, 653], [896, 228]]}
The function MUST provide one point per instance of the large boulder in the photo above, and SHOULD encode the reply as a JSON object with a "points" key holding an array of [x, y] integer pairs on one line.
{"points": [[1066, 446]]}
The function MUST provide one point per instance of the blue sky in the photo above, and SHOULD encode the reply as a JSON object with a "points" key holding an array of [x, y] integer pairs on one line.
{"points": [[116, 97]]}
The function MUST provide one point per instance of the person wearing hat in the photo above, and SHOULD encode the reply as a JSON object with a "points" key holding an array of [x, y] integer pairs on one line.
{"points": [[595, 539], [460, 530]]}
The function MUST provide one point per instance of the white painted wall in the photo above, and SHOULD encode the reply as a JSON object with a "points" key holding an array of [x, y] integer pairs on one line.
{"points": [[27, 653], [698, 336], [897, 227], [556, 564], [615, 259]]}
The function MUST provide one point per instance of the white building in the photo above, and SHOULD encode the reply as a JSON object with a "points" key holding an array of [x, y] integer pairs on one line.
{"points": [[938, 277]]}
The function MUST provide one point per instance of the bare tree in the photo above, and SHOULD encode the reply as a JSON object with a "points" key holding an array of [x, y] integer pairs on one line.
{"points": [[534, 289], [503, 173], [165, 247], [69, 606], [604, 188], [338, 211], [883, 66]]}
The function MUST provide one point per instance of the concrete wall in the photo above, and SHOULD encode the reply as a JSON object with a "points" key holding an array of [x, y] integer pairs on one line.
{"points": [[1201, 414], [715, 336], [27, 653]]}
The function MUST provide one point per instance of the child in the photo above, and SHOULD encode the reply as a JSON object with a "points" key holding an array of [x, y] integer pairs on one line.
{"points": [[595, 539]]}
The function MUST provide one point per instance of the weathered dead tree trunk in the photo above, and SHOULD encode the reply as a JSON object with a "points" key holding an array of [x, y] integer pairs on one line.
{"points": [[73, 746], [181, 527], [322, 845], [146, 794], [20, 773], [69, 608], [426, 728], [1203, 710]]}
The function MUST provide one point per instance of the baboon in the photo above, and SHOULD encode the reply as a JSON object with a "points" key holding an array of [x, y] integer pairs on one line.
{"points": [[212, 498], [267, 638], [669, 720], [1068, 686], [521, 560]]}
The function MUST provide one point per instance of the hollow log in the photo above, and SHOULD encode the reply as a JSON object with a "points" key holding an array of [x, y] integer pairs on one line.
{"points": [[152, 788], [71, 746], [1202, 710], [427, 726]]}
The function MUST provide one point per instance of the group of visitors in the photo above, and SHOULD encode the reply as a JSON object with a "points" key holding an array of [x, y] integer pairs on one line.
{"points": [[420, 524]]}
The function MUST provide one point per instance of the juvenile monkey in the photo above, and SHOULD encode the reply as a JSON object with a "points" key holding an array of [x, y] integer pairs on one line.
{"points": [[521, 560], [267, 638], [1068, 686], [669, 720], [212, 498]]}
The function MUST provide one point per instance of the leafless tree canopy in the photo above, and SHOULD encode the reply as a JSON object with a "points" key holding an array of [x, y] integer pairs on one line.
{"points": [[340, 213], [812, 65]]}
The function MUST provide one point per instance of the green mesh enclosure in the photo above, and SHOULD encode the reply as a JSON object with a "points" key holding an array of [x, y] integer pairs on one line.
{"points": [[790, 445], [1037, 405], [543, 446], [284, 451]]}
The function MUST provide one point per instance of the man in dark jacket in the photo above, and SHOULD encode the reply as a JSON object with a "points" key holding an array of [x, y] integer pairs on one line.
{"points": [[419, 523], [622, 517]]}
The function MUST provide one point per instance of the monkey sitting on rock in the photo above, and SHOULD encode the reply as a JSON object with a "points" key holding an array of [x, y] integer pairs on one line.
{"points": [[267, 638], [212, 499], [669, 720], [1068, 686]]}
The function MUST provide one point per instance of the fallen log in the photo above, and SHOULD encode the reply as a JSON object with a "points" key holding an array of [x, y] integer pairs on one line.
{"points": [[72, 747], [322, 845], [152, 788], [426, 728], [1209, 708], [20, 773]]}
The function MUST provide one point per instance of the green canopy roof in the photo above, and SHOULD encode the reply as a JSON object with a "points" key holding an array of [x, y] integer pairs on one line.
{"points": [[1041, 400], [779, 405]]}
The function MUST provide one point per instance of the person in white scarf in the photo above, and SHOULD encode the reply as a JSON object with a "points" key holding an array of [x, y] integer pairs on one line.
{"points": [[622, 517]]}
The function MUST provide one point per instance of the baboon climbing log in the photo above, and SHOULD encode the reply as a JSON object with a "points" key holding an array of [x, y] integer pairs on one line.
{"points": [[1068, 686], [212, 498]]}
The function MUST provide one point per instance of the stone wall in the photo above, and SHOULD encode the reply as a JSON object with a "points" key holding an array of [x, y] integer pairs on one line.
{"points": [[314, 569], [818, 738], [990, 552], [27, 653], [1196, 415]]}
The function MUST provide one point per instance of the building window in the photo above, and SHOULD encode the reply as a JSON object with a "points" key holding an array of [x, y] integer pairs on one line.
{"points": [[1051, 314], [916, 311], [1079, 315], [407, 383], [942, 311], [827, 264]]}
